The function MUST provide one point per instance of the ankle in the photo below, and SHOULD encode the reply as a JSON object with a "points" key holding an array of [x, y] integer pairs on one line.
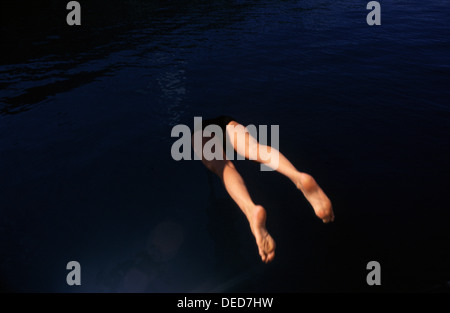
{"points": [[249, 210], [297, 180], [304, 181], [252, 214]]}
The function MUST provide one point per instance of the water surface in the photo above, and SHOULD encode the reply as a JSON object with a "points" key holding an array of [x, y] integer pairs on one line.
{"points": [[86, 171]]}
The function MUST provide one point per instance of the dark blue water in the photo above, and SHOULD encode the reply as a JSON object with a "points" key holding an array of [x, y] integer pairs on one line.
{"points": [[86, 172]]}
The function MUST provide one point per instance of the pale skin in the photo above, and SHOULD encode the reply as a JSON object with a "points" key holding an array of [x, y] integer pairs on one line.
{"points": [[247, 146]]}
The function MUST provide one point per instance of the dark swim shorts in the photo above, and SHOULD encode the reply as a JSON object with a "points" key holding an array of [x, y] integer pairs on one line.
{"points": [[221, 121]]}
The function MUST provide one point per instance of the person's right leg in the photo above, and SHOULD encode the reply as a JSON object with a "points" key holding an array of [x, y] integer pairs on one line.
{"points": [[256, 214], [248, 146], [235, 186]]}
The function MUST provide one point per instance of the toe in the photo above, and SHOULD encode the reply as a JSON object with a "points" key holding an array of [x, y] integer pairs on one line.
{"points": [[263, 255], [271, 256]]}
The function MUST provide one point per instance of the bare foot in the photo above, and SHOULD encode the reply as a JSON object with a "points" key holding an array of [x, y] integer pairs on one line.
{"points": [[316, 197], [265, 242]]}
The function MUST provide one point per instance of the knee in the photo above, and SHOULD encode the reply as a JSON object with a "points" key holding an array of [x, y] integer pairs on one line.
{"points": [[225, 166], [253, 148], [264, 154], [228, 164], [219, 166]]}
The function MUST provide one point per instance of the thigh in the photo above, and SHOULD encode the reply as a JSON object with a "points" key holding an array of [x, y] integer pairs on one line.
{"points": [[242, 141], [214, 165]]}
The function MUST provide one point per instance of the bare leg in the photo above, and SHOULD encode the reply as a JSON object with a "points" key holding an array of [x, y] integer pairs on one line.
{"points": [[256, 214], [248, 146]]}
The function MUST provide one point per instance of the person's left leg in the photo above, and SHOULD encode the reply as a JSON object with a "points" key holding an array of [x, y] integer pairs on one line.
{"points": [[247, 146], [235, 186]]}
